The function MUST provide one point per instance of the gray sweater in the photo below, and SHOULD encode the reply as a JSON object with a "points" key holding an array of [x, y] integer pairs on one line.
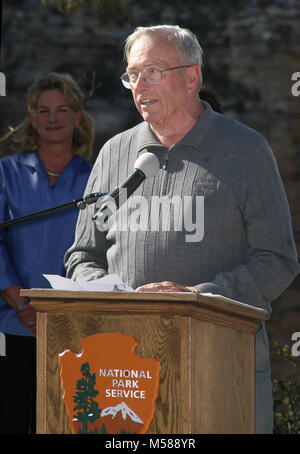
{"points": [[223, 181], [233, 237]]}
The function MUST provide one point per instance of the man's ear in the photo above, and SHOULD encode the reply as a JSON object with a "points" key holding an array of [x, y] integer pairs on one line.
{"points": [[193, 77]]}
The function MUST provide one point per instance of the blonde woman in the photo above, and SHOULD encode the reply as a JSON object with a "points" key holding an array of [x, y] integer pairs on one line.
{"points": [[53, 170]]}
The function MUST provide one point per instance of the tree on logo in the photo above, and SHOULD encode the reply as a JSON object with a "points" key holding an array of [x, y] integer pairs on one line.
{"points": [[88, 410]]}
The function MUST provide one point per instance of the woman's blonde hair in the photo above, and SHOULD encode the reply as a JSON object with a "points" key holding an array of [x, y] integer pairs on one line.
{"points": [[83, 138]]}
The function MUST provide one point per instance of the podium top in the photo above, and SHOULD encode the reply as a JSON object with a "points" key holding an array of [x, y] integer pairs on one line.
{"points": [[201, 306]]}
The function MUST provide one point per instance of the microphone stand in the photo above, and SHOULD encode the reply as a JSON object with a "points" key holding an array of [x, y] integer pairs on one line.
{"points": [[79, 203]]}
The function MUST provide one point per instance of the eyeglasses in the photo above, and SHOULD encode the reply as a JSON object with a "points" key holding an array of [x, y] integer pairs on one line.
{"points": [[152, 76]]}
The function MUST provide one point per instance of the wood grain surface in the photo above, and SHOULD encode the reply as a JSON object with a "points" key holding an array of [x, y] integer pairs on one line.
{"points": [[205, 347]]}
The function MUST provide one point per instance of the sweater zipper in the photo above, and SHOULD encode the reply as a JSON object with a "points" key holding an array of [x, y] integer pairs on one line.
{"points": [[166, 160], [165, 175]]}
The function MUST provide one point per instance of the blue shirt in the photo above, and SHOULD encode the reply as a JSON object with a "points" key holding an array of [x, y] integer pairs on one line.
{"points": [[35, 247]]}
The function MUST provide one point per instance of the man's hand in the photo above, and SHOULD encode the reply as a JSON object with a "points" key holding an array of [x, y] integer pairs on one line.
{"points": [[166, 286]]}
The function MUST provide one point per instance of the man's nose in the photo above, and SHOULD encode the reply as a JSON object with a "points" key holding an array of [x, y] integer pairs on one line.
{"points": [[141, 80]]}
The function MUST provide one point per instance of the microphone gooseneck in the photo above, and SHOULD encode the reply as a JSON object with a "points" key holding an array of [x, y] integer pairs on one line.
{"points": [[146, 166]]}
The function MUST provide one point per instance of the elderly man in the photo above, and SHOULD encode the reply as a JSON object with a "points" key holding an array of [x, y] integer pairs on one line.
{"points": [[221, 170]]}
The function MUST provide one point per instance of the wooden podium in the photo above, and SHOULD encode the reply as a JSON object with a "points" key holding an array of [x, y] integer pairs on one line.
{"points": [[205, 345]]}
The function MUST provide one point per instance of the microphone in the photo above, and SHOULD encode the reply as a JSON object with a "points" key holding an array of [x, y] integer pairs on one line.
{"points": [[146, 166]]}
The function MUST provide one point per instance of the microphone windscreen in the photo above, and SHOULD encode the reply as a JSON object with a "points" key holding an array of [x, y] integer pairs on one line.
{"points": [[148, 163]]}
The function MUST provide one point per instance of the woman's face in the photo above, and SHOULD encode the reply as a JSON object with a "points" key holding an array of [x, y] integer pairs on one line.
{"points": [[53, 118]]}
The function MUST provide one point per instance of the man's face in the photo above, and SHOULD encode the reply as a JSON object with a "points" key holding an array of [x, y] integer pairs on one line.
{"points": [[161, 105]]}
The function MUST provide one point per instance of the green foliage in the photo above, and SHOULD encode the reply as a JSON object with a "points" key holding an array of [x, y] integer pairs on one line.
{"points": [[286, 393], [188, 10], [93, 432], [96, 432], [88, 410], [102, 6]]}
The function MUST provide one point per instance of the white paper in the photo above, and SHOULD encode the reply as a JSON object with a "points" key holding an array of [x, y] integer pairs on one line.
{"points": [[108, 283], [224, 298], [214, 295]]}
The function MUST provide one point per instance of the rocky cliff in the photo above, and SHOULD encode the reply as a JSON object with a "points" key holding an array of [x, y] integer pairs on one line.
{"points": [[251, 52]]}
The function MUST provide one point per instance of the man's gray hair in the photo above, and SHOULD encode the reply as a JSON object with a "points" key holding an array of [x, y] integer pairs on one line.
{"points": [[187, 43]]}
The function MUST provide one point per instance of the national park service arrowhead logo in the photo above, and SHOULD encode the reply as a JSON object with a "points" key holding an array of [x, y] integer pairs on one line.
{"points": [[108, 388]]}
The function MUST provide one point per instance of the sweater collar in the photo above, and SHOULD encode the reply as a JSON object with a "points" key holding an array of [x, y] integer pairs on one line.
{"points": [[199, 131], [194, 137]]}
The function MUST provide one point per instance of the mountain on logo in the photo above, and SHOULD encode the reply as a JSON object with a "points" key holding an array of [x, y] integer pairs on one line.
{"points": [[121, 417], [125, 411]]}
